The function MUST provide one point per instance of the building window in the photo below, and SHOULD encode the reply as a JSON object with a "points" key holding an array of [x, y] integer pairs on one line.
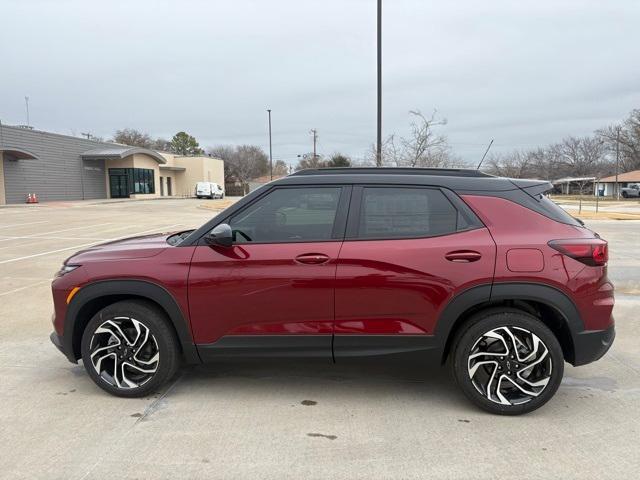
{"points": [[125, 181], [143, 181]]}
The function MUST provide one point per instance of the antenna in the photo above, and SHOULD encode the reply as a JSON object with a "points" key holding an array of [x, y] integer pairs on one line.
{"points": [[485, 154], [26, 102]]}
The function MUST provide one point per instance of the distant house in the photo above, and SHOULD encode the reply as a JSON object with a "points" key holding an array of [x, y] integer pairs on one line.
{"points": [[574, 185], [607, 185]]}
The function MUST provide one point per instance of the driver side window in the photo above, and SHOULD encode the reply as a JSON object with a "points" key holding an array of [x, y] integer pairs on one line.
{"points": [[288, 215]]}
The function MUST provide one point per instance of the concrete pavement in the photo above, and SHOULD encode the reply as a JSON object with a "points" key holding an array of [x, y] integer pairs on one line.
{"points": [[282, 419]]}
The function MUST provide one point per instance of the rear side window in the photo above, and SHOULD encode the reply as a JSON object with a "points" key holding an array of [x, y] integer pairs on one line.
{"points": [[288, 215], [405, 212]]}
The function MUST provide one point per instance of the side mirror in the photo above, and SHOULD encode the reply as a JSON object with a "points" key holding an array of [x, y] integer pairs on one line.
{"points": [[222, 236]]}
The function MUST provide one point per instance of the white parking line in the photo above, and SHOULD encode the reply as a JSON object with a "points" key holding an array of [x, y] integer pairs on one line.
{"points": [[43, 234], [20, 224], [75, 247], [25, 287]]}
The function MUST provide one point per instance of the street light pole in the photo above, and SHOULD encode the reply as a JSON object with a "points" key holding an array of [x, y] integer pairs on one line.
{"points": [[617, 189], [270, 149], [379, 136]]}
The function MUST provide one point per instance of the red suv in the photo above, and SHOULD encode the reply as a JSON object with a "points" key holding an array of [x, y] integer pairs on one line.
{"points": [[449, 265]]}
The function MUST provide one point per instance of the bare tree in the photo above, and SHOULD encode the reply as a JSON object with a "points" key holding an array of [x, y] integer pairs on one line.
{"points": [[625, 136], [580, 156], [280, 168], [309, 160], [243, 162], [424, 147], [133, 137]]}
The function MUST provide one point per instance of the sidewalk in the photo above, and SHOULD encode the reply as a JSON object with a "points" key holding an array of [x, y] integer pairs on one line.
{"points": [[83, 203]]}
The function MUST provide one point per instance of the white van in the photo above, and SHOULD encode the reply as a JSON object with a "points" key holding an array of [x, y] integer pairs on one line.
{"points": [[209, 190]]}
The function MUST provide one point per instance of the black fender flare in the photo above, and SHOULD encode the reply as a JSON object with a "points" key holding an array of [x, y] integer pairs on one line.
{"points": [[138, 288], [487, 294]]}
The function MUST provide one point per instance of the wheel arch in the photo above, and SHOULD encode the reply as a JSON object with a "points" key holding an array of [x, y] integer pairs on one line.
{"points": [[552, 306], [93, 297]]}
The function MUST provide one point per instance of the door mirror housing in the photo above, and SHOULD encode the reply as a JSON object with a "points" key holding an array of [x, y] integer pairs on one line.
{"points": [[222, 236]]}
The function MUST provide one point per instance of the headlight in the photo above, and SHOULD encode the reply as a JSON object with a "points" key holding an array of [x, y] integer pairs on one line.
{"points": [[66, 269]]}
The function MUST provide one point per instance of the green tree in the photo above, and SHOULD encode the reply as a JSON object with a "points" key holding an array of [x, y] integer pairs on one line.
{"points": [[184, 144], [339, 160]]}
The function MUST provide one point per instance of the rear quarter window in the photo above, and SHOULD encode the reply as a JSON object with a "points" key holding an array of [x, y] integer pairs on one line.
{"points": [[405, 212]]}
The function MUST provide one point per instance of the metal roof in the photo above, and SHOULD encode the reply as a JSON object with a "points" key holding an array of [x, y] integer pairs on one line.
{"points": [[16, 153], [122, 152]]}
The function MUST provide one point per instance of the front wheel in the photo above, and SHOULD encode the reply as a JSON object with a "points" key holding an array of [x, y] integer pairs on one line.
{"points": [[129, 350], [508, 362]]}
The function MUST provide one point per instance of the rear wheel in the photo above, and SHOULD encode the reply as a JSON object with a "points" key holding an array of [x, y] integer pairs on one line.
{"points": [[625, 194], [129, 350], [508, 362]]}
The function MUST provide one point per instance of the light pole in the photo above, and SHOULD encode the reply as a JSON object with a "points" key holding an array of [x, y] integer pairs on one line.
{"points": [[617, 187], [379, 136], [270, 149]]}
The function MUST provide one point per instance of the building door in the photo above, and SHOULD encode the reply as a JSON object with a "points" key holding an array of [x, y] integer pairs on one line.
{"points": [[118, 183], [169, 186], [162, 186]]}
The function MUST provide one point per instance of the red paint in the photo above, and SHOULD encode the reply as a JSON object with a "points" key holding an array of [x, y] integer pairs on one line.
{"points": [[583, 284], [396, 282], [525, 260], [262, 289], [352, 287]]}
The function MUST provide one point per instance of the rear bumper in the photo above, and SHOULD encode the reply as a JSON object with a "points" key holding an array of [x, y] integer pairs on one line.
{"points": [[591, 345]]}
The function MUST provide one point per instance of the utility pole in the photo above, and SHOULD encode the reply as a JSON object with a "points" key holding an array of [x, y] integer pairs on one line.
{"points": [[87, 135], [26, 102], [617, 189], [315, 141], [379, 136], [270, 149]]}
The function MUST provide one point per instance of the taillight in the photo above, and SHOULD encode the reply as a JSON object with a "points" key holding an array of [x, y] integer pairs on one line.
{"points": [[590, 251]]}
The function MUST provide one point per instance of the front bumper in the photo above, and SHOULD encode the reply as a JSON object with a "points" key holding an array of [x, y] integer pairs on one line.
{"points": [[57, 341], [591, 345]]}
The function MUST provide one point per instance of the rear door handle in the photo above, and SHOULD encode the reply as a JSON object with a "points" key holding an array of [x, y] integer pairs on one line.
{"points": [[463, 256], [312, 258]]}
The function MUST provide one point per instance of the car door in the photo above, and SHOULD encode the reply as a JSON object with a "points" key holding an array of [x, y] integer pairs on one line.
{"points": [[272, 292], [408, 250]]}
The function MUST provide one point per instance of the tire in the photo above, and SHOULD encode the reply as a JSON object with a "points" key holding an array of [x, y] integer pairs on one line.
{"points": [[148, 350], [625, 195], [490, 332]]}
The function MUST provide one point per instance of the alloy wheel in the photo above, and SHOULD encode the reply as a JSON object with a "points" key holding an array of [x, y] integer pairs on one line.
{"points": [[124, 352], [509, 365]]}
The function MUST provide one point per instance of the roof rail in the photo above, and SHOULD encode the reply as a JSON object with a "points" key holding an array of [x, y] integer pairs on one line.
{"points": [[444, 172]]}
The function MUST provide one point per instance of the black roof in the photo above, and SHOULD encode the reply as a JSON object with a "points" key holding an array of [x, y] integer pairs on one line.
{"points": [[446, 172]]}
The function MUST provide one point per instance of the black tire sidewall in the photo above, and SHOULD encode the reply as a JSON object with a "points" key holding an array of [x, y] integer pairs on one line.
{"points": [[156, 322], [494, 319]]}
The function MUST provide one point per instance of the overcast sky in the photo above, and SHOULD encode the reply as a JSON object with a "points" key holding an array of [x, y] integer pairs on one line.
{"points": [[526, 73]]}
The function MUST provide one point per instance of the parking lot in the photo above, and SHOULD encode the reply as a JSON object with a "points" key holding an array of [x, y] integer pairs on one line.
{"points": [[285, 419]]}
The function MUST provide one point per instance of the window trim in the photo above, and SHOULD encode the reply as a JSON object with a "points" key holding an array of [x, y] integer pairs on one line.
{"points": [[339, 222], [353, 223]]}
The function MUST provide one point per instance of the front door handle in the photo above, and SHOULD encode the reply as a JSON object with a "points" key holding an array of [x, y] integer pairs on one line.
{"points": [[463, 256], [312, 258]]}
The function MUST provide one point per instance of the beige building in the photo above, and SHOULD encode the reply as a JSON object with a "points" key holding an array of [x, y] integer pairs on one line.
{"points": [[61, 167]]}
